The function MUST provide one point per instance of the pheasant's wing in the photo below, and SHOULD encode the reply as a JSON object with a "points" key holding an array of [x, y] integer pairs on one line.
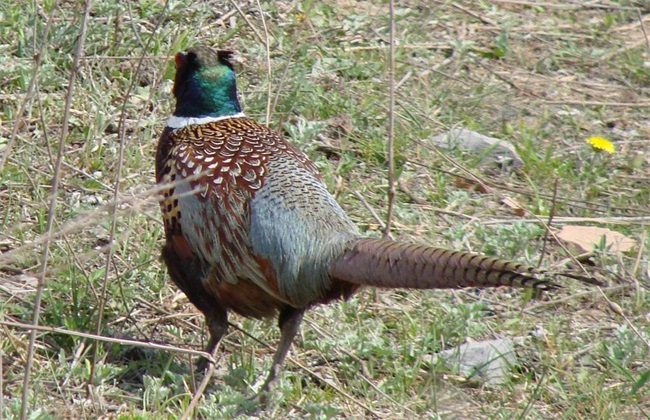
{"points": [[299, 227]]}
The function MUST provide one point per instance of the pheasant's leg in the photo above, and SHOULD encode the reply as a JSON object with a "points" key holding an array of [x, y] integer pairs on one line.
{"points": [[289, 322], [188, 273], [217, 321]]}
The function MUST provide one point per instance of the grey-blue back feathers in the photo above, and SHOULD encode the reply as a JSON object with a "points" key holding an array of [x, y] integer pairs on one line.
{"points": [[300, 228]]}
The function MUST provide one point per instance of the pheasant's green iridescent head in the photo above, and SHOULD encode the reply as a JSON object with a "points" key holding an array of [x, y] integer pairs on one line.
{"points": [[205, 84]]}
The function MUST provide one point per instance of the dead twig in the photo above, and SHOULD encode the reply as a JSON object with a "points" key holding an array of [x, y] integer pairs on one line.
{"points": [[248, 22], [549, 223], [372, 211], [645, 34], [56, 179], [116, 191], [559, 5], [268, 64], [391, 121], [121, 341], [202, 386], [601, 103], [31, 88]]}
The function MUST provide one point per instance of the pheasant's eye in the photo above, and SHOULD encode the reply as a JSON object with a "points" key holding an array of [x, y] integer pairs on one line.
{"points": [[179, 59]]}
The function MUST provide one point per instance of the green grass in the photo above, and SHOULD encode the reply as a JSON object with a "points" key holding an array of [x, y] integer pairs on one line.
{"points": [[543, 77]]}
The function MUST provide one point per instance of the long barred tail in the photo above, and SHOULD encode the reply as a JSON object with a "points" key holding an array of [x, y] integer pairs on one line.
{"points": [[385, 263]]}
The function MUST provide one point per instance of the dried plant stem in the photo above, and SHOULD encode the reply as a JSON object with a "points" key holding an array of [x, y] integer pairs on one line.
{"points": [[616, 308], [561, 6], [269, 92], [202, 386], [248, 22], [116, 191], [645, 34], [52, 206], [549, 223], [122, 341], [391, 121], [2, 407], [18, 122], [368, 207], [125, 205], [283, 77], [628, 221], [601, 103]]}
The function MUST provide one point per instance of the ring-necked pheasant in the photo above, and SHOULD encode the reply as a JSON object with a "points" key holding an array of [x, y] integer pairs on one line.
{"points": [[250, 226]]}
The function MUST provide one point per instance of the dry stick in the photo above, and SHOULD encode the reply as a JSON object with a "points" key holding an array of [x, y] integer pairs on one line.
{"points": [[121, 341], [124, 204], [133, 28], [441, 47], [506, 80], [248, 22], [297, 45], [637, 261], [547, 228], [372, 211], [645, 34], [617, 310], [51, 209], [601, 103], [544, 305], [41, 113], [2, 386], [549, 223], [154, 58], [615, 220], [268, 65], [38, 57], [6, 156], [204, 384], [116, 190], [564, 6], [473, 14], [226, 16], [391, 121]]}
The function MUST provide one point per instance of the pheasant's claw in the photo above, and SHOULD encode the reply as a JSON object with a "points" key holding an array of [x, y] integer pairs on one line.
{"points": [[202, 365]]}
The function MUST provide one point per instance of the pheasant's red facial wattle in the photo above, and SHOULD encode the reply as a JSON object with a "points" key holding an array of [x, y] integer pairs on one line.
{"points": [[179, 59]]}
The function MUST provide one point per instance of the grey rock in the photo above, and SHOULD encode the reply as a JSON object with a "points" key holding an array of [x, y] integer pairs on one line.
{"points": [[486, 361], [493, 151]]}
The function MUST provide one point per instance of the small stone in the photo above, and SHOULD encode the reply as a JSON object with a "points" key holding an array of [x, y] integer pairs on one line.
{"points": [[493, 151], [485, 361]]}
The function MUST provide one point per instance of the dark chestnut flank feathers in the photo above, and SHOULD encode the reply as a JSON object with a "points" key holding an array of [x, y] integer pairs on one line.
{"points": [[250, 226]]}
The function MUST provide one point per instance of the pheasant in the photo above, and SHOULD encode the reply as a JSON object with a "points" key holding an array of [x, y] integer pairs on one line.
{"points": [[250, 226]]}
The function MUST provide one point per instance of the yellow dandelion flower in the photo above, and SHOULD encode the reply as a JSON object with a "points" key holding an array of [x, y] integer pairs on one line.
{"points": [[600, 143]]}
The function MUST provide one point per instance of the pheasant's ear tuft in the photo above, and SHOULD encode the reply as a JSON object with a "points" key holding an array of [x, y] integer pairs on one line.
{"points": [[225, 57]]}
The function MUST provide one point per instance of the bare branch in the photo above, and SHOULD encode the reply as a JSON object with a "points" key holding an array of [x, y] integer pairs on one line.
{"points": [[52, 206], [391, 121]]}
